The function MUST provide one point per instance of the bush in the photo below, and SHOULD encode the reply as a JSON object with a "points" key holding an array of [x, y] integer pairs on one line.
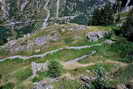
{"points": [[127, 59], [55, 69], [103, 16]]}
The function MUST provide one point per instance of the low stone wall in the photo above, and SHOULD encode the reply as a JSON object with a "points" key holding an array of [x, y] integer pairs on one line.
{"points": [[49, 52]]}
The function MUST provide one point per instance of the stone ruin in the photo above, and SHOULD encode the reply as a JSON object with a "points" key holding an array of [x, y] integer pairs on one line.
{"points": [[39, 67], [94, 36]]}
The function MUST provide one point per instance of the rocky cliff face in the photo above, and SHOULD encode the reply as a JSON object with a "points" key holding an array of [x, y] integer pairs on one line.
{"points": [[44, 10]]}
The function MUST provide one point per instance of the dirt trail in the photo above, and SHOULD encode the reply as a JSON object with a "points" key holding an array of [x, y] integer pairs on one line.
{"points": [[75, 65]]}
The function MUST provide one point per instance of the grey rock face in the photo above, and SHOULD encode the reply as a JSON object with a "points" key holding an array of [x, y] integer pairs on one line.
{"points": [[44, 10], [94, 36]]}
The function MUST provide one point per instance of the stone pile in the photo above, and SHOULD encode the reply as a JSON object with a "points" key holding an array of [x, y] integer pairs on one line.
{"points": [[43, 85]]}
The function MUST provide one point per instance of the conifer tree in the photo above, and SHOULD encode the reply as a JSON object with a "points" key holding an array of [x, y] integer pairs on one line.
{"points": [[55, 69]]}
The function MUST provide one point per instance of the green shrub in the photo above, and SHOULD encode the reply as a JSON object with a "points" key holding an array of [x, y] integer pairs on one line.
{"points": [[37, 79], [23, 74], [55, 69], [127, 59]]}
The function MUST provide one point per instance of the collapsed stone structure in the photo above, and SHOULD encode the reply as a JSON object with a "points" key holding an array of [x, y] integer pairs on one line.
{"points": [[39, 67], [94, 36]]}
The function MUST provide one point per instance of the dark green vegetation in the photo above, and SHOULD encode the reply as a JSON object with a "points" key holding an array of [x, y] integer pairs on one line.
{"points": [[103, 16], [55, 69], [7, 86], [125, 74], [128, 26], [4, 34]]}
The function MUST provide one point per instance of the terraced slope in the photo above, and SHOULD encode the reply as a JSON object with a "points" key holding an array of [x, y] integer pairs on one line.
{"points": [[69, 45]]}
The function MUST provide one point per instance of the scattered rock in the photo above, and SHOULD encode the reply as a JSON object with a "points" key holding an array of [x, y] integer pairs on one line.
{"points": [[43, 85]]}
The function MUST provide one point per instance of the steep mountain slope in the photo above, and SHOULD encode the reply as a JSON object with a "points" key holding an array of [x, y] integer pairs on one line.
{"points": [[20, 17], [29, 10]]}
